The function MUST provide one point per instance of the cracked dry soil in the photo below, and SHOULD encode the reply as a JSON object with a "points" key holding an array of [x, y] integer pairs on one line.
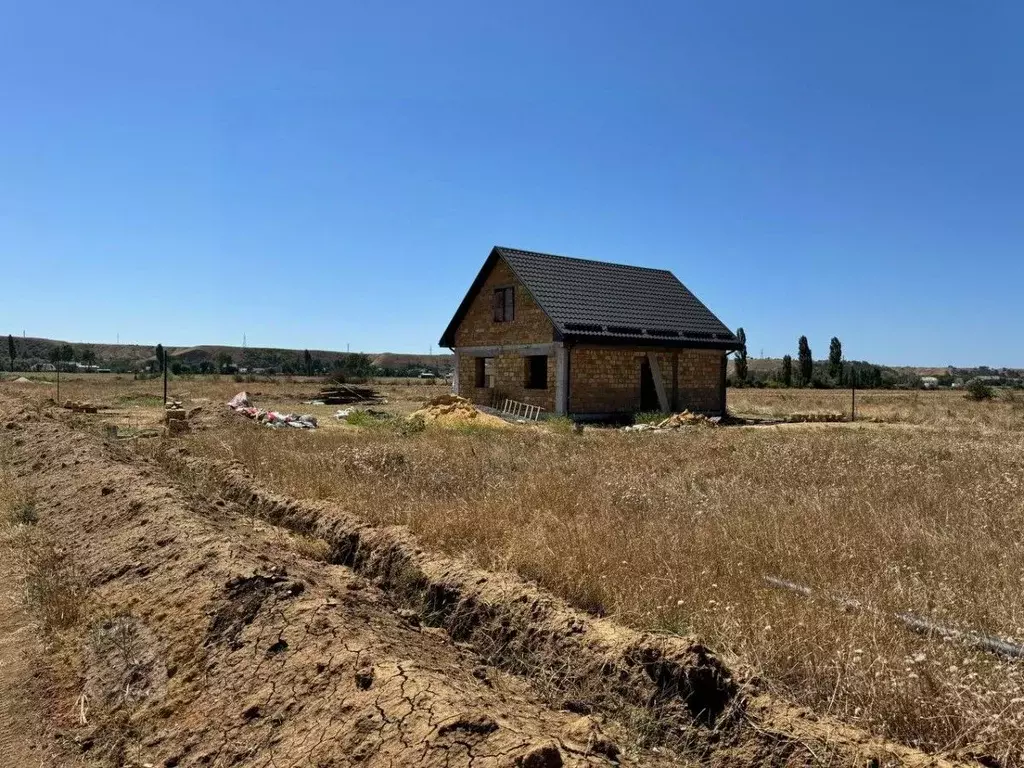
{"points": [[212, 642]]}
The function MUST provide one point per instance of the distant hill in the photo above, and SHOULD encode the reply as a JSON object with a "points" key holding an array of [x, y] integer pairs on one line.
{"points": [[132, 357]]}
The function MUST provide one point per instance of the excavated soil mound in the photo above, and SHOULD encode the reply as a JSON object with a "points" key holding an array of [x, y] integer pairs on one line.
{"points": [[452, 410], [689, 700], [212, 638]]}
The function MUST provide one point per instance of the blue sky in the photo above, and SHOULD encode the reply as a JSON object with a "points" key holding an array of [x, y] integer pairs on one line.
{"points": [[328, 173]]}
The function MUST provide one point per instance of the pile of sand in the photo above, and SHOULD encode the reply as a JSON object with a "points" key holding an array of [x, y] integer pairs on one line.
{"points": [[452, 410], [23, 380]]}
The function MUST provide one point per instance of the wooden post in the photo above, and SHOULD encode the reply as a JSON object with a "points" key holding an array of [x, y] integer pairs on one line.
{"points": [[853, 394], [165, 375]]}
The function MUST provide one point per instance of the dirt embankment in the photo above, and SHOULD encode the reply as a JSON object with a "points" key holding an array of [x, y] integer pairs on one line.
{"points": [[212, 637]]}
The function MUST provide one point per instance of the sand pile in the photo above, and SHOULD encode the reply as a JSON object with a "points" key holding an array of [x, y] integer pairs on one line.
{"points": [[452, 410], [23, 380]]}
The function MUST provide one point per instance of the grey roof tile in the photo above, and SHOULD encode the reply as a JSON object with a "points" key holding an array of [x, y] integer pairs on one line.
{"points": [[607, 302]]}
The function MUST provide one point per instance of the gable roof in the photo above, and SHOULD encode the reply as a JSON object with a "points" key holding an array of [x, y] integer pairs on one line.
{"points": [[598, 302]]}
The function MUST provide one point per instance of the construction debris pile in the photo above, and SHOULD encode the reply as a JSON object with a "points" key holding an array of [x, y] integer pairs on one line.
{"points": [[676, 421], [452, 410], [343, 394], [240, 404], [80, 406]]}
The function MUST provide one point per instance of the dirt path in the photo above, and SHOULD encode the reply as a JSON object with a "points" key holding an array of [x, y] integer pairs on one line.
{"points": [[216, 636]]}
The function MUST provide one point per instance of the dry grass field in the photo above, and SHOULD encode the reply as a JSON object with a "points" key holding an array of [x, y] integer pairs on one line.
{"points": [[919, 508]]}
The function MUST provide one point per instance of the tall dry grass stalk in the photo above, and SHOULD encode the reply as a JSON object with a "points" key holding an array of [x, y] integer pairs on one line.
{"points": [[676, 531]]}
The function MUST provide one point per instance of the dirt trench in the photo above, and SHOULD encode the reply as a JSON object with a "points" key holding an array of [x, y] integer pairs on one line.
{"points": [[214, 640]]}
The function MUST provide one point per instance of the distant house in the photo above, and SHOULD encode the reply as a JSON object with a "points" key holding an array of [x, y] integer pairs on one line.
{"points": [[929, 382], [575, 336]]}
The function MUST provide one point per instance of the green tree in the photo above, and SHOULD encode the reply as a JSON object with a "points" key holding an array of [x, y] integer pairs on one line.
{"points": [[355, 364], [88, 356], [806, 361], [835, 359], [307, 360], [741, 356], [787, 370], [224, 360], [61, 353], [11, 350], [160, 357]]}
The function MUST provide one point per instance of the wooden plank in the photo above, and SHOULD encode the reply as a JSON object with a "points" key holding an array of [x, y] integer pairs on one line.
{"points": [[659, 385]]}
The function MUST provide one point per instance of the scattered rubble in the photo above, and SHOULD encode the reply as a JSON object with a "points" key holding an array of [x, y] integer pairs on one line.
{"points": [[240, 403], [676, 421], [80, 406], [450, 410]]}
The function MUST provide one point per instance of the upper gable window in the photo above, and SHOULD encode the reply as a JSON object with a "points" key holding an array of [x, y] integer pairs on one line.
{"points": [[504, 305]]}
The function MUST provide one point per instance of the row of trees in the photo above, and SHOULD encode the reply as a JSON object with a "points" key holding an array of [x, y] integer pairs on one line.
{"points": [[835, 372]]}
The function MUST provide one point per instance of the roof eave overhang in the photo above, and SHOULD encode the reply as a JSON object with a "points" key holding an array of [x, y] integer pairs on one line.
{"points": [[448, 337], [632, 341]]}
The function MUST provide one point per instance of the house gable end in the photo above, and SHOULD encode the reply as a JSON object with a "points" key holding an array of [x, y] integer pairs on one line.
{"points": [[473, 323]]}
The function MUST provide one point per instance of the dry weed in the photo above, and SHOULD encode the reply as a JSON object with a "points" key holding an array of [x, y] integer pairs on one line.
{"points": [[676, 532]]}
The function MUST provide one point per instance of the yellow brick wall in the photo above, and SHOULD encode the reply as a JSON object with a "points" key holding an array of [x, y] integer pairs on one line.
{"points": [[509, 381], [530, 326], [607, 379], [700, 380]]}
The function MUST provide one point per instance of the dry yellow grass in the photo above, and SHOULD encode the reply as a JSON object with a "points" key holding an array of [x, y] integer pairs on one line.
{"points": [[676, 532]]}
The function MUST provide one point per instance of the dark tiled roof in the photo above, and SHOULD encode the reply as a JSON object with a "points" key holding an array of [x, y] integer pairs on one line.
{"points": [[602, 302]]}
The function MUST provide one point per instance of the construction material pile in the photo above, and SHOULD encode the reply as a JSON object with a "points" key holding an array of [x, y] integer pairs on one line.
{"points": [[452, 410], [342, 394], [80, 406], [676, 421], [240, 403], [175, 418]]}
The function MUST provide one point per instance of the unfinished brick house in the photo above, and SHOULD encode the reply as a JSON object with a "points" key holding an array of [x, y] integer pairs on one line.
{"points": [[582, 337]]}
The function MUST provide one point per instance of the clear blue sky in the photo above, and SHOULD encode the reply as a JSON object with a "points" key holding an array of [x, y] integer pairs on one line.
{"points": [[327, 173]]}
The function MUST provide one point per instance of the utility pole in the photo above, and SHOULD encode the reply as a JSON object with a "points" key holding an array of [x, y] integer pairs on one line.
{"points": [[853, 394], [165, 376]]}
